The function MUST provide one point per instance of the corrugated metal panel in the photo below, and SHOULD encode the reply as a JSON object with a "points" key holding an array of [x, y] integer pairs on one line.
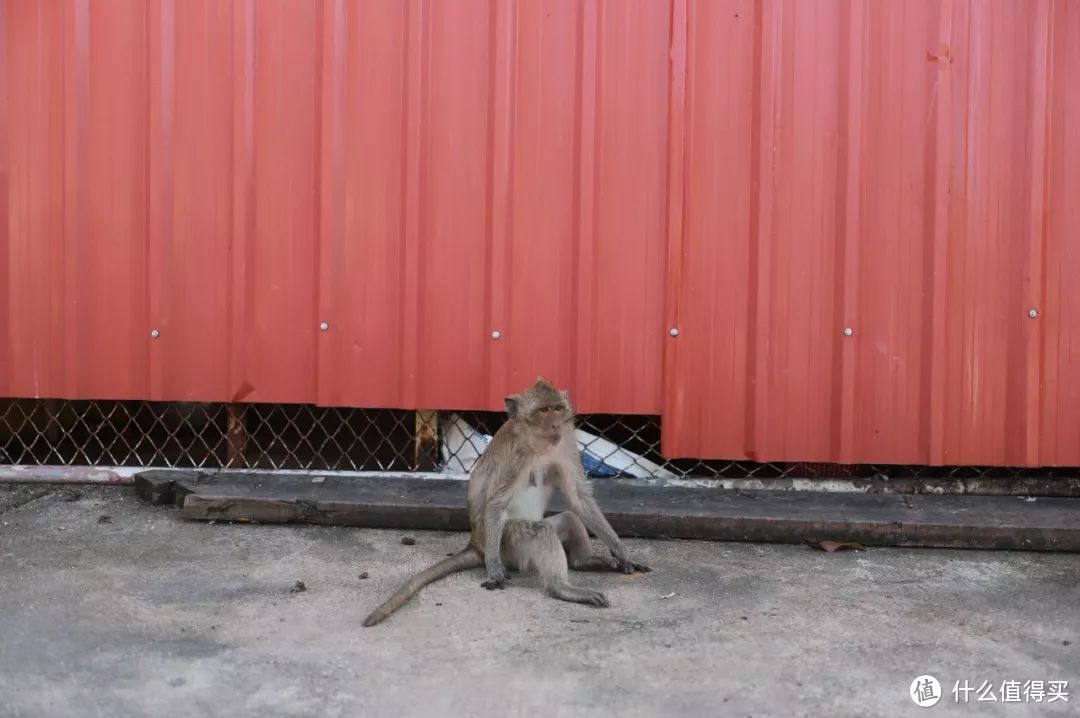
{"points": [[907, 170], [493, 167], [77, 199], [1059, 421], [415, 174], [420, 174]]}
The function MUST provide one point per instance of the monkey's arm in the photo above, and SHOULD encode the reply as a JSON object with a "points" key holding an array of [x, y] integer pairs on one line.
{"points": [[494, 523], [501, 469], [578, 494]]}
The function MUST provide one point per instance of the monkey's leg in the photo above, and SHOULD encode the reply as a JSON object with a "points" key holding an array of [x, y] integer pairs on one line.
{"points": [[575, 540], [578, 494], [536, 546]]}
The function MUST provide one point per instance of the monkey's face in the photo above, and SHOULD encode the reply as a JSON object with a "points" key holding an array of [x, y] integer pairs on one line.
{"points": [[550, 421], [544, 409]]}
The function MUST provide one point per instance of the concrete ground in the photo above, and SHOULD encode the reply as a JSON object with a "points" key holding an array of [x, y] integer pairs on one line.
{"points": [[145, 614]]}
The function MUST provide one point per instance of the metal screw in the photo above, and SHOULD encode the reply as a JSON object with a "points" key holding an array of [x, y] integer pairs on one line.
{"points": [[674, 331], [496, 334], [848, 331], [154, 334], [324, 326], [1033, 313]]}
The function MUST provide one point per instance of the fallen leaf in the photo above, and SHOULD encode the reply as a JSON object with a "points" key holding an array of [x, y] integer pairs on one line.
{"points": [[833, 546], [408, 540]]}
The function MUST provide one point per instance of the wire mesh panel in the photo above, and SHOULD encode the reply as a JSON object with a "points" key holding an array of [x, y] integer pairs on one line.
{"points": [[194, 435], [307, 437], [629, 446]]}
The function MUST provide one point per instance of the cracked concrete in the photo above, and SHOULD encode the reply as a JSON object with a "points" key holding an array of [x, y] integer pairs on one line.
{"points": [[146, 614]]}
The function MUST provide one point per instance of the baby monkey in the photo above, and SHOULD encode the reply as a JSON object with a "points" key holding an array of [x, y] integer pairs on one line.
{"points": [[530, 456]]}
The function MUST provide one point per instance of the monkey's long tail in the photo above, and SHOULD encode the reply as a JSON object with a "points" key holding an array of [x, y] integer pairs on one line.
{"points": [[463, 560]]}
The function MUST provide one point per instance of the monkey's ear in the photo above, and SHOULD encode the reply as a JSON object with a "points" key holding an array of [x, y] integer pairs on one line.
{"points": [[513, 403]]}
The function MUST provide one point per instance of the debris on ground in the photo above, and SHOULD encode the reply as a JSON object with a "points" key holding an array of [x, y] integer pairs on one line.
{"points": [[408, 540], [669, 595], [298, 587], [833, 546], [12, 496], [70, 495], [104, 519], [363, 575]]}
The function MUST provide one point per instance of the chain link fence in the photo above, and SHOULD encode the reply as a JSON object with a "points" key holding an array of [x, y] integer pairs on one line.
{"points": [[306, 437], [195, 435]]}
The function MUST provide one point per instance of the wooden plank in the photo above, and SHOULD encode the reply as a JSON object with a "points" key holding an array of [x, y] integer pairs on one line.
{"points": [[992, 522], [159, 486], [237, 436], [425, 444]]}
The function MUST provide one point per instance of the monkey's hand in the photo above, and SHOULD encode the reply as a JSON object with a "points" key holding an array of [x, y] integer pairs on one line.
{"points": [[497, 579], [628, 566]]}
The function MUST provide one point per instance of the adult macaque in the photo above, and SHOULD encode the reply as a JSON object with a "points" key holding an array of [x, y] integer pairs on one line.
{"points": [[530, 456]]}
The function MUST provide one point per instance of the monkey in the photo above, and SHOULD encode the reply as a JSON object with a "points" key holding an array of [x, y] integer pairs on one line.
{"points": [[531, 455]]}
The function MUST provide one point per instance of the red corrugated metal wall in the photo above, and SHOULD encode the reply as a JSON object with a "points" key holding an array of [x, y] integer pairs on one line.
{"points": [[579, 177], [906, 170]]}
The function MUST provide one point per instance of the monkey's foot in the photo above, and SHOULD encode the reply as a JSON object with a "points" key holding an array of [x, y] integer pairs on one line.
{"points": [[496, 583], [609, 563], [628, 566], [579, 595], [596, 563]]}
